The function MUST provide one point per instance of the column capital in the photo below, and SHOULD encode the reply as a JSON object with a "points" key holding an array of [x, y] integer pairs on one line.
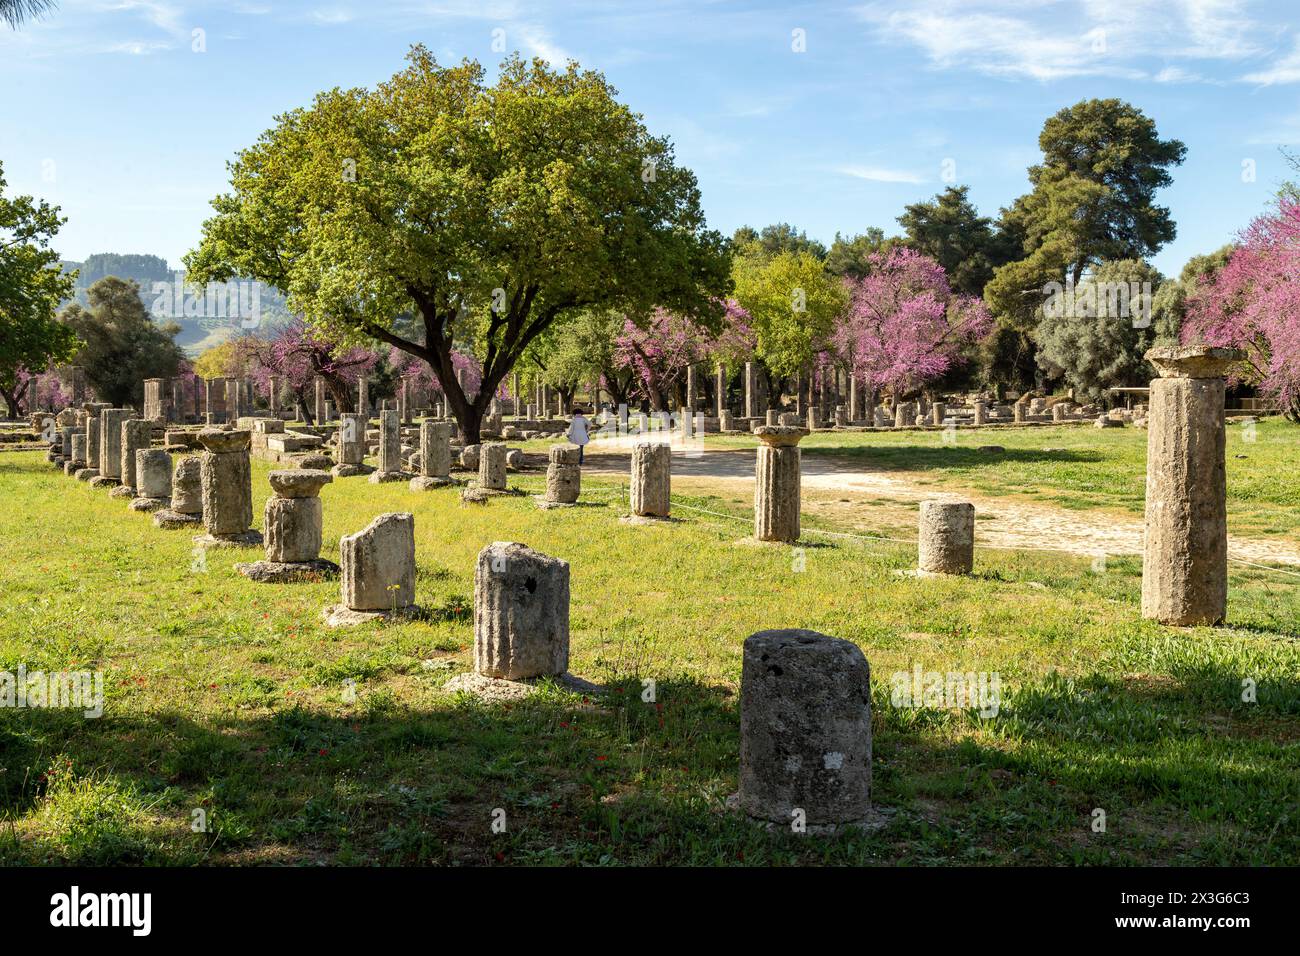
{"points": [[1193, 361]]}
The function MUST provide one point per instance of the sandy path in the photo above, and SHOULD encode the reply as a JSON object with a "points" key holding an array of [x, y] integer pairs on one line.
{"points": [[1004, 522]]}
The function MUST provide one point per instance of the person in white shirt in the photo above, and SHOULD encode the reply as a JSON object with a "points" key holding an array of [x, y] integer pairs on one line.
{"points": [[578, 433]]}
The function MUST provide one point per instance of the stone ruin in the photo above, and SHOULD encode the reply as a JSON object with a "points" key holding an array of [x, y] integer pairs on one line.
{"points": [[435, 457], [292, 526], [153, 480], [186, 507], [563, 477], [650, 494], [805, 731], [378, 572], [227, 480], [946, 539], [390, 450], [777, 483], [110, 447]]}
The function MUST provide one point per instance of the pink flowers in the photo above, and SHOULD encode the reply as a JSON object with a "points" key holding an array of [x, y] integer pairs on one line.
{"points": [[1253, 303], [905, 325], [660, 353]]}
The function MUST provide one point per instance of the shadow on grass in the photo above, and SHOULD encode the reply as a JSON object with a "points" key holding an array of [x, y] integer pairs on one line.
{"points": [[621, 779]]}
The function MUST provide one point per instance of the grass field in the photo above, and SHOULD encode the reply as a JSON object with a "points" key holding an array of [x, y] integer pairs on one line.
{"points": [[233, 698], [1079, 467]]}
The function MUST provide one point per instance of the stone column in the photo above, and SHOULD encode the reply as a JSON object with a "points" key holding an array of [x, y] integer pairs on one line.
{"points": [[776, 488], [692, 387], [363, 399], [187, 496], [981, 413], [492, 466], [521, 613], [805, 729], [904, 414], [136, 434], [720, 389], [390, 449], [273, 396], [91, 470], [292, 522], [232, 400], [404, 401], [946, 543], [563, 477], [1185, 561], [751, 391], [378, 571], [938, 412], [814, 418], [651, 492], [1058, 412], [1018, 412], [110, 446], [153, 480], [318, 407], [435, 456], [351, 446], [78, 461], [227, 490], [855, 398]]}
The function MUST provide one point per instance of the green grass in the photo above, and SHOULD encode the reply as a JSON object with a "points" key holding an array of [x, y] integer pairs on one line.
{"points": [[232, 697], [1078, 467]]}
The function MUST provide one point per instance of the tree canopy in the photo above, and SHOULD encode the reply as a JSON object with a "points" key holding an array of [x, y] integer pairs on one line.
{"points": [[487, 212]]}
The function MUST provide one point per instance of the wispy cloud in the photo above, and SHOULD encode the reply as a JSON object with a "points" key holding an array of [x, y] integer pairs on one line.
{"points": [[878, 174], [331, 16], [536, 41], [1285, 69]]}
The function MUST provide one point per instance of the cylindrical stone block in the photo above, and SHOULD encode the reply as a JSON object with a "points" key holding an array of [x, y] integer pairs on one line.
{"points": [[352, 438], [378, 564], [227, 482], [938, 412], [521, 613], [904, 414], [492, 466], [136, 434], [390, 442], [79, 449], [651, 492], [292, 529], [805, 728], [435, 449], [946, 543], [981, 413], [563, 474], [1058, 412], [1185, 557], [110, 441], [777, 484], [187, 486], [153, 473]]}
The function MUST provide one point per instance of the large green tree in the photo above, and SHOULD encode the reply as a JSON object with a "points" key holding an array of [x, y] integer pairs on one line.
{"points": [[1170, 306], [793, 303], [487, 212], [951, 231], [773, 240], [31, 287], [850, 255], [121, 344]]}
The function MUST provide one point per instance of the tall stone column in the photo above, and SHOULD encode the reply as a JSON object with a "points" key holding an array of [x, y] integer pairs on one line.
{"points": [[777, 484], [227, 480], [363, 398], [981, 413], [136, 434], [805, 729], [110, 447], [1185, 560], [692, 387], [273, 396], [720, 389], [404, 401], [435, 456], [352, 446], [232, 400], [751, 391], [390, 449], [318, 406]]}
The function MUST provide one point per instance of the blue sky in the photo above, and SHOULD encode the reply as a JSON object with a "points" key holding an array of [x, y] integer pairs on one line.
{"points": [[110, 111]]}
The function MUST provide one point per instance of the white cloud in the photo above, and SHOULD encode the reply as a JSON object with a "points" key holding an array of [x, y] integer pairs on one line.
{"points": [[1285, 69], [331, 17], [536, 41], [878, 174]]}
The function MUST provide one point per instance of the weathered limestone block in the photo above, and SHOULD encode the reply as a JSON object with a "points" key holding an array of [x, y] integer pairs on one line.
{"points": [[469, 457], [938, 412], [777, 484], [390, 449], [563, 476], [814, 419], [981, 413], [514, 459], [521, 613], [651, 491], [805, 728], [153, 479], [904, 414], [351, 446], [187, 496], [492, 466], [946, 542], [379, 567], [292, 528], [110, 445], [136, 434], [227, 489], [789, 418], [1185, 557], [434, 456]]}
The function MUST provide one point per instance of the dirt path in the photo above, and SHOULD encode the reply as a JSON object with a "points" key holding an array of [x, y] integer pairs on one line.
{"points": [[872, 500]]}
